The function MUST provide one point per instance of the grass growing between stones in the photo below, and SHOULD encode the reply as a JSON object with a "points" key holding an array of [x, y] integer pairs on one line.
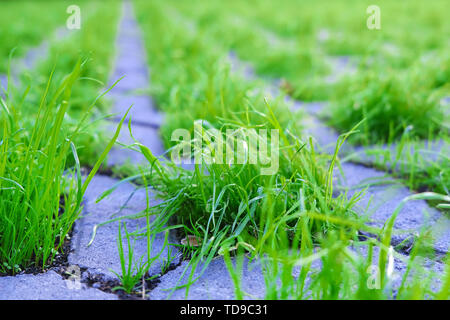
{"points": [[308, 243], [399, 86], [49, 129], [40, 200], [270, 54], [294, 39], [341, 266], [306, 237]]}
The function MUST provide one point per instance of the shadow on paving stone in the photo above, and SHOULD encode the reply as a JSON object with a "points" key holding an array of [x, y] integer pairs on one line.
{"points": [[214, 284], [102, 255], [47, 286], [382, 200]]}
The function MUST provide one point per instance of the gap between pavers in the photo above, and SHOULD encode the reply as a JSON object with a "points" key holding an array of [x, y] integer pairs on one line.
{"points": [[47, 286]]}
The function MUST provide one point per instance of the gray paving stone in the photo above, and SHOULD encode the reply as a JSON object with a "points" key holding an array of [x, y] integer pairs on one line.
{"points": [[142, 112], [340, 67], [131, 59], [314, 108], [101, 258], [47, 286], [240, 67], [214, 284], [146, 135], [21, 65], [324, 136], [3, 83], [384, 199], [422, 268], [102, 255], [31, 58], [445, 101], [130, 82], [131, 62], [34, 55]]}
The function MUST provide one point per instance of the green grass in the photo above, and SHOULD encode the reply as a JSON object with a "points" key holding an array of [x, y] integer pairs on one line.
{"points": [[290, 218], [225, 104], [291, 39], [296, 59], [390, 103], [49, 128], [193, 80], [288, 48], [400, 82], [40, 200], [26, 24], [94, 42]]}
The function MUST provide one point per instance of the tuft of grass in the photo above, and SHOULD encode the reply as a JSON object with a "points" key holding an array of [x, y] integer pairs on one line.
{"points": [[40, 199], [132, 272], [290, 220], [390, 103]]}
